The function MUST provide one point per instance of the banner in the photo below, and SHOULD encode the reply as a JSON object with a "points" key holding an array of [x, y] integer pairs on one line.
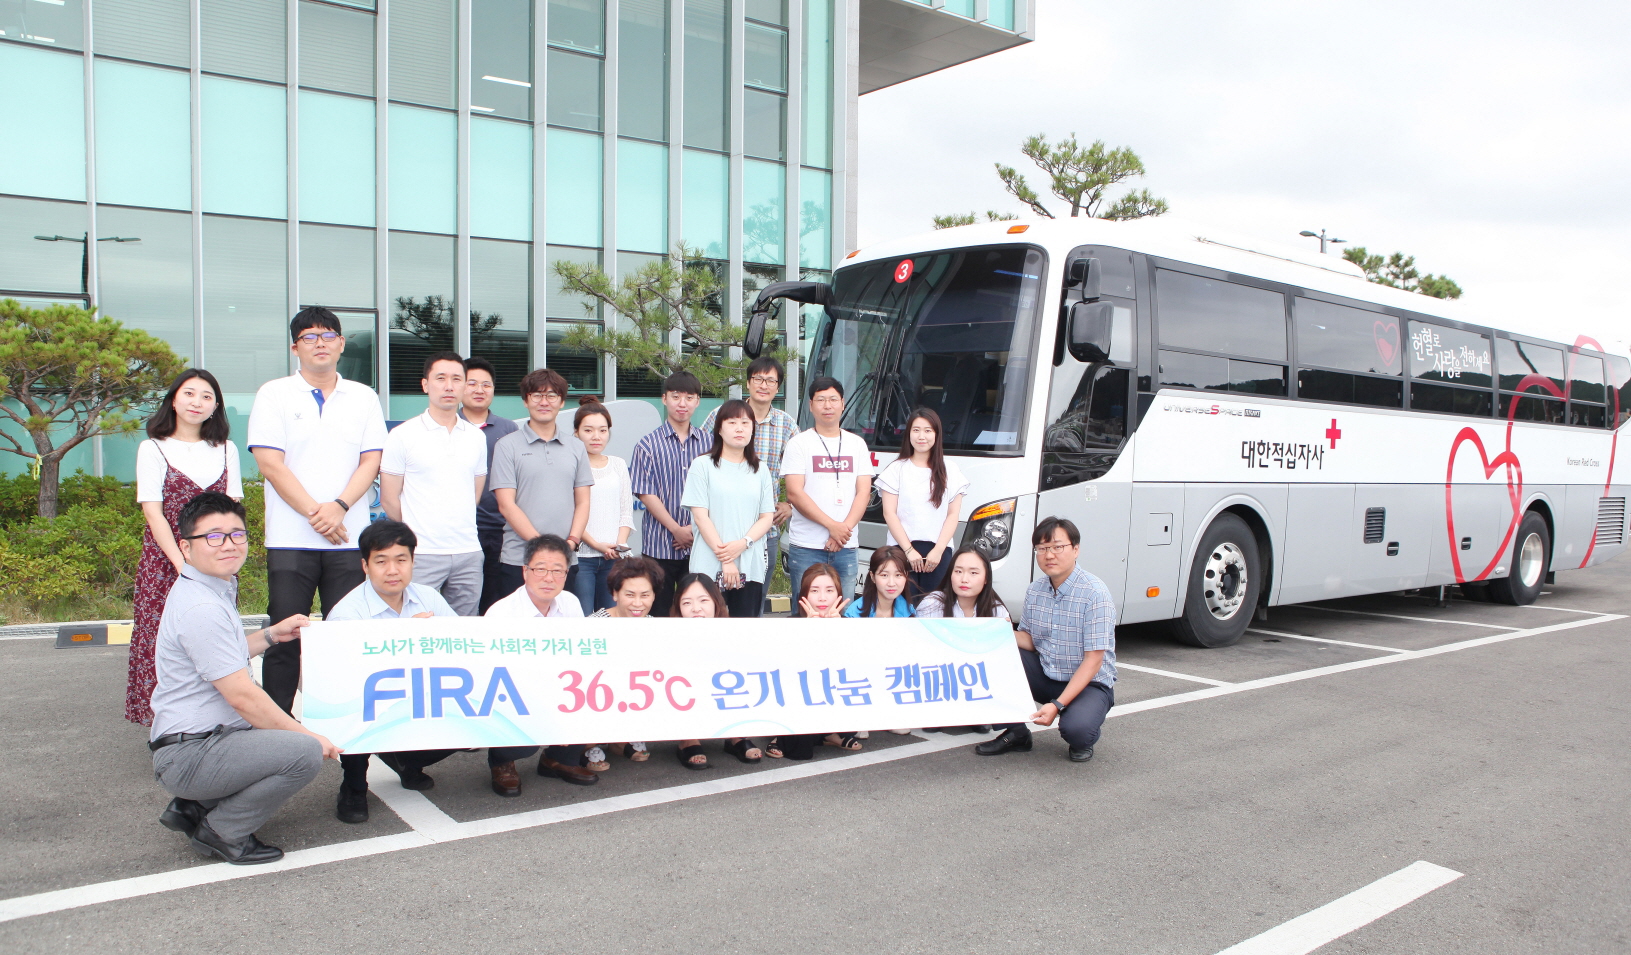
{"points": [[454, 682]]}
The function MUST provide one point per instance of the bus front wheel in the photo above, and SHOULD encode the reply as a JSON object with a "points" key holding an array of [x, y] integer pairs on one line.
{"points": [[1531, 556], [1223, 585]]}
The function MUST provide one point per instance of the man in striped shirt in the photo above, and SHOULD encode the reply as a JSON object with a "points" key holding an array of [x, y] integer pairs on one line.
{"points": [[657, 473]]}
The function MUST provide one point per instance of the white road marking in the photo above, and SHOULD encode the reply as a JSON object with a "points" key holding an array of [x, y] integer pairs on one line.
{"points": [[1340, 643], [450, 830], [1175, 676], [1353, 911], [1559, 609], [1394, 616]]}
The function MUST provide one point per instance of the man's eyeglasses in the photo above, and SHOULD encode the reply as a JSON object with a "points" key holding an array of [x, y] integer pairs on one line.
{"points": [[478, 385], [547, 397], [548, 573], [216, 538], [311, 338], [1048, 550], [770, 380]]}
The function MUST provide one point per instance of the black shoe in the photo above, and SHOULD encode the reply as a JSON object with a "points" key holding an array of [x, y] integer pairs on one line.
{"points": [[412, 777], [182, 815], [352, 806], [1017, 738], [1081, 755], [981, 728], [251, 851]]}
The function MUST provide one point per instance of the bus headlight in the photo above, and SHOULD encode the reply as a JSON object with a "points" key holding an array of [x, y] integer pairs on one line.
{"points": [[991, 528]]}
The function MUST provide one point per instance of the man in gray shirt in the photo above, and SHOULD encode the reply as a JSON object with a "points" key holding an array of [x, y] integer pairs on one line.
{"points": [[479, 390], [540, 477], [220, 745]]}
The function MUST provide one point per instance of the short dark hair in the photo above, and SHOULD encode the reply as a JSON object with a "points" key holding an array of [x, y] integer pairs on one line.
{"points": [[683, 382], [1046, 527], [543, 379], [823, 383], [735, 408], [630, 568], [215, 430], [549, 542], [591, 408], [480, 364], [443, 355], [203, 505], [310, 317], [765, 363], [383, 535]]}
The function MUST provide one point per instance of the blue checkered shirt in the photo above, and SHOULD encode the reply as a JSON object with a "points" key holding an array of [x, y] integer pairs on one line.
{"points": [[658, 466], [1068, 623]]}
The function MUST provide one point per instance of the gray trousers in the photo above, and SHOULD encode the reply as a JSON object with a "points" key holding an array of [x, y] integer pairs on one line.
{"points": [[241, 777], [456, 576]]}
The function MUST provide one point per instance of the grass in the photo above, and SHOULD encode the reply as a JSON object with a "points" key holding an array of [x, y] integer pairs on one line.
{"points": [[89, 606]]}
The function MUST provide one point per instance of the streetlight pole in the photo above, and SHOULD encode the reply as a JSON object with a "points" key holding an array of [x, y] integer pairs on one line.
{"points": [[85, 255], [1320, 235]]}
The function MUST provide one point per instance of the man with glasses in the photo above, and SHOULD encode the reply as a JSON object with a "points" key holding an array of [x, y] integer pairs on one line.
{"points": [[540, 477], [221, 746], [479, 389], [772, 429], [543, 594], [317, 439], [1067, 642]]}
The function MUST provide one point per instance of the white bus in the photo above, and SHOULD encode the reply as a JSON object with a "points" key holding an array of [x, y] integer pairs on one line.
{"points": [[1231, 429]]}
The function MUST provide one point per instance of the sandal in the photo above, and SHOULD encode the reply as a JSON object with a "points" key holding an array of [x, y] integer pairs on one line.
{"points": [[773, 748], [688, 753], [740, 748], [594, 760], [848, 741], [628, 751]]}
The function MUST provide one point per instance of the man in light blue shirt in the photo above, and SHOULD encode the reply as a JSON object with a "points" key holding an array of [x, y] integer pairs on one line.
{"points": [[389, 593]]}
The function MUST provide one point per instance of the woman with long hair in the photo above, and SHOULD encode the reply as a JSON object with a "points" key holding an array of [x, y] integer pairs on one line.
{"points": [[633, 582], [922, 495], [733, 504], [967, 593], [187, 452], [884, 592], [697, 596], [819, 597], [611, 510]]}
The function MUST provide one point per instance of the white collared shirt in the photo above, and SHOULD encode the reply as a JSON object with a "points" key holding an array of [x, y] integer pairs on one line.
{"points": [[520, 605], [365, 603], [438, 468], [321, 443]]}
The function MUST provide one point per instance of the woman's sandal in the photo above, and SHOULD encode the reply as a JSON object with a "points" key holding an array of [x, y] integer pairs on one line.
{"points": [[688, 753], [740, 748], [596, 765], [773, 748], [627, 750], [849, 741]]}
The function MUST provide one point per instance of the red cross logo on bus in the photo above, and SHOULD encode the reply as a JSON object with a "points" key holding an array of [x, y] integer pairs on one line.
{"points": [[1333, 432]]}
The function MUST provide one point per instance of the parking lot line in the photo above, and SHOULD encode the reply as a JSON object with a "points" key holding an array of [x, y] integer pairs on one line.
{"points": [[1353, 911], [1394, 616], [1561, 609], [1340, 643], [1176, 676]]}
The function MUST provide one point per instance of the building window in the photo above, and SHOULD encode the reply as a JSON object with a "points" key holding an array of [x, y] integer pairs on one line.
{"points": [[764, 124], [815, 219], [148, 284], [42, 97], [143, 136], [501, 309], [642, 196], [705, 202], [579, 24], [574, 90], [424, 170], [572, 206], [244, 153], [247, 38], [246, 314], [818, 83], [764, 200], [642, 69], [764, 57], [500, 179], [422, 313], [501, 58], [707, 76], [336, 159], [28, 264], [336, 49], [336, 266], [155, 31], [424, 37], [58, 25]]}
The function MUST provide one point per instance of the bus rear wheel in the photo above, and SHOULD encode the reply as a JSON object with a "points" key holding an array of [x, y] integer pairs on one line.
{"points": [[1531, 556], [1223, 585]]}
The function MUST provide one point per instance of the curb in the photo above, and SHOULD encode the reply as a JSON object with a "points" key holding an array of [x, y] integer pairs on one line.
{"points": [[23, 631]]}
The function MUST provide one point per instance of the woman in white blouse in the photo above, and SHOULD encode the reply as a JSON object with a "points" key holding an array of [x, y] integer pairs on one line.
{"points": [[611, 510], [922, 496], [185, 454]]}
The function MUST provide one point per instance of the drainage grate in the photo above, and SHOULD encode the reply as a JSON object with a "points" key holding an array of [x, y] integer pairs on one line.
{"points": [[1611, 520], [1375, 524]]}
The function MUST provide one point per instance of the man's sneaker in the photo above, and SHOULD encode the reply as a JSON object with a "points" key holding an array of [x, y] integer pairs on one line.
{"points": [[1081, 755], [352, 806]]}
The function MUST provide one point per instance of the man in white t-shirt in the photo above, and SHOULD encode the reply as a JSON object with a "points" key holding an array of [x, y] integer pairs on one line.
{"points": [[317, 439], [431, 477], [829, 479]]}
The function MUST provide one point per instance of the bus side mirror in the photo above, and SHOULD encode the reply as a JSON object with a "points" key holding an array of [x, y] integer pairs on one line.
{"points": [[1085, 273], [1090, 324], [810, 293]]}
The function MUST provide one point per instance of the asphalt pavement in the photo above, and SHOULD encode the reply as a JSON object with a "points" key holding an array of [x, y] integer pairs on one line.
{"points": [[1234, 790]]}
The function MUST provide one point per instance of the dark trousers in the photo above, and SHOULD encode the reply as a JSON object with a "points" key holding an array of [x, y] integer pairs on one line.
{"points": [[509, 580], [1083, 718], [496, 756], [492, 583], [747, 600], [673, 570], [293, 577], [919, 584]]}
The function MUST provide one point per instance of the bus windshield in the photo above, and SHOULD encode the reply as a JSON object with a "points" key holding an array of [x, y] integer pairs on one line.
{"points": [[952, 331]]}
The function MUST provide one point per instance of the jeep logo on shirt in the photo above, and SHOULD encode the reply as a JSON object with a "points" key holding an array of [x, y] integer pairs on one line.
{"points": [[829, 464]]}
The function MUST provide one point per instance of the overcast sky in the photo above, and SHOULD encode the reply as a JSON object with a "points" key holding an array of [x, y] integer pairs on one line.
{"points": [[1488, 139]]}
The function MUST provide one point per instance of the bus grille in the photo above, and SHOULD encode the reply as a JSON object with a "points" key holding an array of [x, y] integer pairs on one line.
{"points": [[1375, 524], [1611, 520]]}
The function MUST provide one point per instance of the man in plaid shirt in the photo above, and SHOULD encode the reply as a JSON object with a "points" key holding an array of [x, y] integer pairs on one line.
{"points": [[1067, 642]]}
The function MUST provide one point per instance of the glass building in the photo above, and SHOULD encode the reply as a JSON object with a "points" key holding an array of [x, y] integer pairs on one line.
{"points": [[419, 166]]}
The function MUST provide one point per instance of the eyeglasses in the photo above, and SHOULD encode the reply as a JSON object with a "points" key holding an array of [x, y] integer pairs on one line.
{"points": [[827, 400], [548, 397], [771, 380], [1048, 550], [216, 538], [547, 574], [478, 385], [311, 338]]}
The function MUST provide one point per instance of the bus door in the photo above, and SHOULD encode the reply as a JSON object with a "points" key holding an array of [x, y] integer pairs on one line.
{"points": [[1087, 426]]}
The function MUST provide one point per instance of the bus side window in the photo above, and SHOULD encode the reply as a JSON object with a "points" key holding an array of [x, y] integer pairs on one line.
{"points": [[1087, 422], [1619, 377]]}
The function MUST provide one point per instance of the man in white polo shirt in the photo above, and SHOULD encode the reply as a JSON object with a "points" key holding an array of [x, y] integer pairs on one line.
{"points": [[317, 439], [431, 478]]}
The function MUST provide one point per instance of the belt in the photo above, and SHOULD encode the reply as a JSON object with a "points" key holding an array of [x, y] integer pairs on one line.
{"points": [[170, 739]]}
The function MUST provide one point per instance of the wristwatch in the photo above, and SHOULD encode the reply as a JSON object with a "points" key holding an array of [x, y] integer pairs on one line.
{"points": [[343, 505], [1057, 705]]}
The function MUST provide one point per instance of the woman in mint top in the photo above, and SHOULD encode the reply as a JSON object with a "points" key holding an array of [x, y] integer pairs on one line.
{"points": [[732, 498]]}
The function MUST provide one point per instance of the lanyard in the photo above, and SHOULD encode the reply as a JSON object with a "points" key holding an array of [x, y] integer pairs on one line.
{"points": [[837, 482]]}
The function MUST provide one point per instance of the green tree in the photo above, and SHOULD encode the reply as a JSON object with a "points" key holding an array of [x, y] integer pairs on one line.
{"points": [[1080, 176], [431, 321], [679, 293], [1399, 271], [969, 218], [68, 375]]}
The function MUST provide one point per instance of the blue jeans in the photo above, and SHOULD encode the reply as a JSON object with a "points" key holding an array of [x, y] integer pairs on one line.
{"points": [[800, 558], [587, 581]]}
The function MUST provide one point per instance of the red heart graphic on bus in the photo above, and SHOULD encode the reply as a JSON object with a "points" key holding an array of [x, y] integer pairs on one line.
{"points": [[1387, 341], [1514, 490]]}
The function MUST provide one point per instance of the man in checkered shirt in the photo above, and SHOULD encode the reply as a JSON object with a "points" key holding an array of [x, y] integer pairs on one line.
{"points": [[1067, 642]]}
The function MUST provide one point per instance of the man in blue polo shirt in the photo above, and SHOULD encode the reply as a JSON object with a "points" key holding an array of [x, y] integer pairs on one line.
{"points": [[1067, 642]]}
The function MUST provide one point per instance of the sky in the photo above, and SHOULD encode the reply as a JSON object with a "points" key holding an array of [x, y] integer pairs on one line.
{"points": [[1490, 140]]}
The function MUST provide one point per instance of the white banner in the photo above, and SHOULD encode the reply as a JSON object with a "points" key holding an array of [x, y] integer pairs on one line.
{"points": [[454, 682]]}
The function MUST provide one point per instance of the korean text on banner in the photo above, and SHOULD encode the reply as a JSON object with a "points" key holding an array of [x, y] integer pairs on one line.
{"points": [[378, 686]]}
